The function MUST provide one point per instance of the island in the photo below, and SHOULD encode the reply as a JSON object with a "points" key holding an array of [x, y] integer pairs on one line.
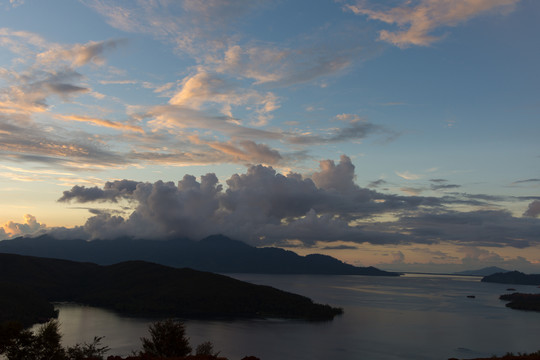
{"points": [[139, 288], [520, 301], [513, 277]]}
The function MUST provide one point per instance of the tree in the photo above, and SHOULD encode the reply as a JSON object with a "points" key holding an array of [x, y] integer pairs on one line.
{"points": [[92, 351], [17, 343], [207, 349], [167, 339]]}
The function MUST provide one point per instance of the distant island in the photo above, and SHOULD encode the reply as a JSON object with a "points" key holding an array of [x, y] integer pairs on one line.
{"points": [[513, 277], [217, 253], [482, 272], [29, 284]]}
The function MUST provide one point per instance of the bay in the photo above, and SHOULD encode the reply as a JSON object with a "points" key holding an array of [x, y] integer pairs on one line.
{"points": [[414, 316]]}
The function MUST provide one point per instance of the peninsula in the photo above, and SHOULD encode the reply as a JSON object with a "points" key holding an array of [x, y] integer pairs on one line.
{"points": [[140, 288]]}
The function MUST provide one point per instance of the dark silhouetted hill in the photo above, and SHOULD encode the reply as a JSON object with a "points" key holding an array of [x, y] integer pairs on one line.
{"points": [[148, 289], [513, 277], [521, 301], [216, 253], [482, 272]]}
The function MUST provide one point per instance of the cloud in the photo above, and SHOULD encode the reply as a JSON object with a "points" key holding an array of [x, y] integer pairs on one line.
{"points": [[495, 228], [418, 20], [355, 131], [340, 247], [205, 88], [533, 210], [264, 207], [112, 191], [102, 122], [408, 175], [377, 183], [440, 184], [28, 227], [30, 142], [79, 54], [334, 177], [260, 206], [31, 91]]}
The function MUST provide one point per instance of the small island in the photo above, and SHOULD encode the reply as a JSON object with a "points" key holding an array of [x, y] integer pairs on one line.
{"points": [[139, 288], [521, 301]]}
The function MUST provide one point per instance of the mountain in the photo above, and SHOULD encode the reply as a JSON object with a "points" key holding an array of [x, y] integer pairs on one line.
{"points": [[513, 277], [482, 272], [146, 289], [216, 253]]}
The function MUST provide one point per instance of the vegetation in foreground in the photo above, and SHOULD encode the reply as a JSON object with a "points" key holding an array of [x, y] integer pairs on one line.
{"points": [[167, 340]]}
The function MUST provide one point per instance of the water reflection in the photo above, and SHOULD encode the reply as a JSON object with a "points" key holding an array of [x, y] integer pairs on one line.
{"points": [[412, 317]]}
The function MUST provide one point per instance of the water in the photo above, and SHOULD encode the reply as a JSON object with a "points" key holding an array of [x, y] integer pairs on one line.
{"points": [[410, 317]]}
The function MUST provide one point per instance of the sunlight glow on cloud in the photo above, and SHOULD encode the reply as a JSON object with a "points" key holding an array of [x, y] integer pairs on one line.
{"points": [[418, 20], [253, 94]]}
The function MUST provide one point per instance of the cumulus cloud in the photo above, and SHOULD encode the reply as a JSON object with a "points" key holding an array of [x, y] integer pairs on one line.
{"points": [[261, 206], [28, 227], [334, 177], [419, 19], [533, 210]]}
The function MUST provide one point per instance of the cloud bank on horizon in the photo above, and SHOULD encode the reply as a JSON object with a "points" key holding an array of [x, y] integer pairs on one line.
{"points": [[434, 101], [264, 207]]}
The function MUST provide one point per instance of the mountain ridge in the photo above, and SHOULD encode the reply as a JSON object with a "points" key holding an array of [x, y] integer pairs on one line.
{"points": [[216, 253]]}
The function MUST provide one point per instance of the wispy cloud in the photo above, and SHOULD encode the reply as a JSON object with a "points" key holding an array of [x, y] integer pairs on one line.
{"points": [[102, 122], [417, 21], [407, 175]]}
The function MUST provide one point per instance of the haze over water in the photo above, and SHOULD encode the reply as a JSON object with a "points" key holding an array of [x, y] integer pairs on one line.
{"points": [[385, 318]]}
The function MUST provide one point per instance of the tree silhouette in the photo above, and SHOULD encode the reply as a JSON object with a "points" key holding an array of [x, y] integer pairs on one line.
{"points": [[167, 339], [17, 343]]}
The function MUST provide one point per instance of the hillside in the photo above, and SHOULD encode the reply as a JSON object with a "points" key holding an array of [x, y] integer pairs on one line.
{"points": [[513, 277], [147, 289], [216, 253]]}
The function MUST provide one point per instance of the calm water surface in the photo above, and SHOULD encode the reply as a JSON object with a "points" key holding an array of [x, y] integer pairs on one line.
{"points": [[410, 317]]}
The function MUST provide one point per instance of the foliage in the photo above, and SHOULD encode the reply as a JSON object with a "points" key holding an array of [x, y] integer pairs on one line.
{"points": [[206, 348], [84, 351], [18, 343], [167, 339]]}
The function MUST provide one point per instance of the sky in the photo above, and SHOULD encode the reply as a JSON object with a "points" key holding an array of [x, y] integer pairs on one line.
{"points": [[396, 134]]}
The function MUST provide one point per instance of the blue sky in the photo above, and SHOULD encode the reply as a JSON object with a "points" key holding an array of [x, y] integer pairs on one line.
{"points": [[401, 134]]}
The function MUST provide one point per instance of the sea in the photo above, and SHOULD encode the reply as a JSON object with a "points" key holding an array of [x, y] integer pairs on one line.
{"points": [[414, 316]]}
